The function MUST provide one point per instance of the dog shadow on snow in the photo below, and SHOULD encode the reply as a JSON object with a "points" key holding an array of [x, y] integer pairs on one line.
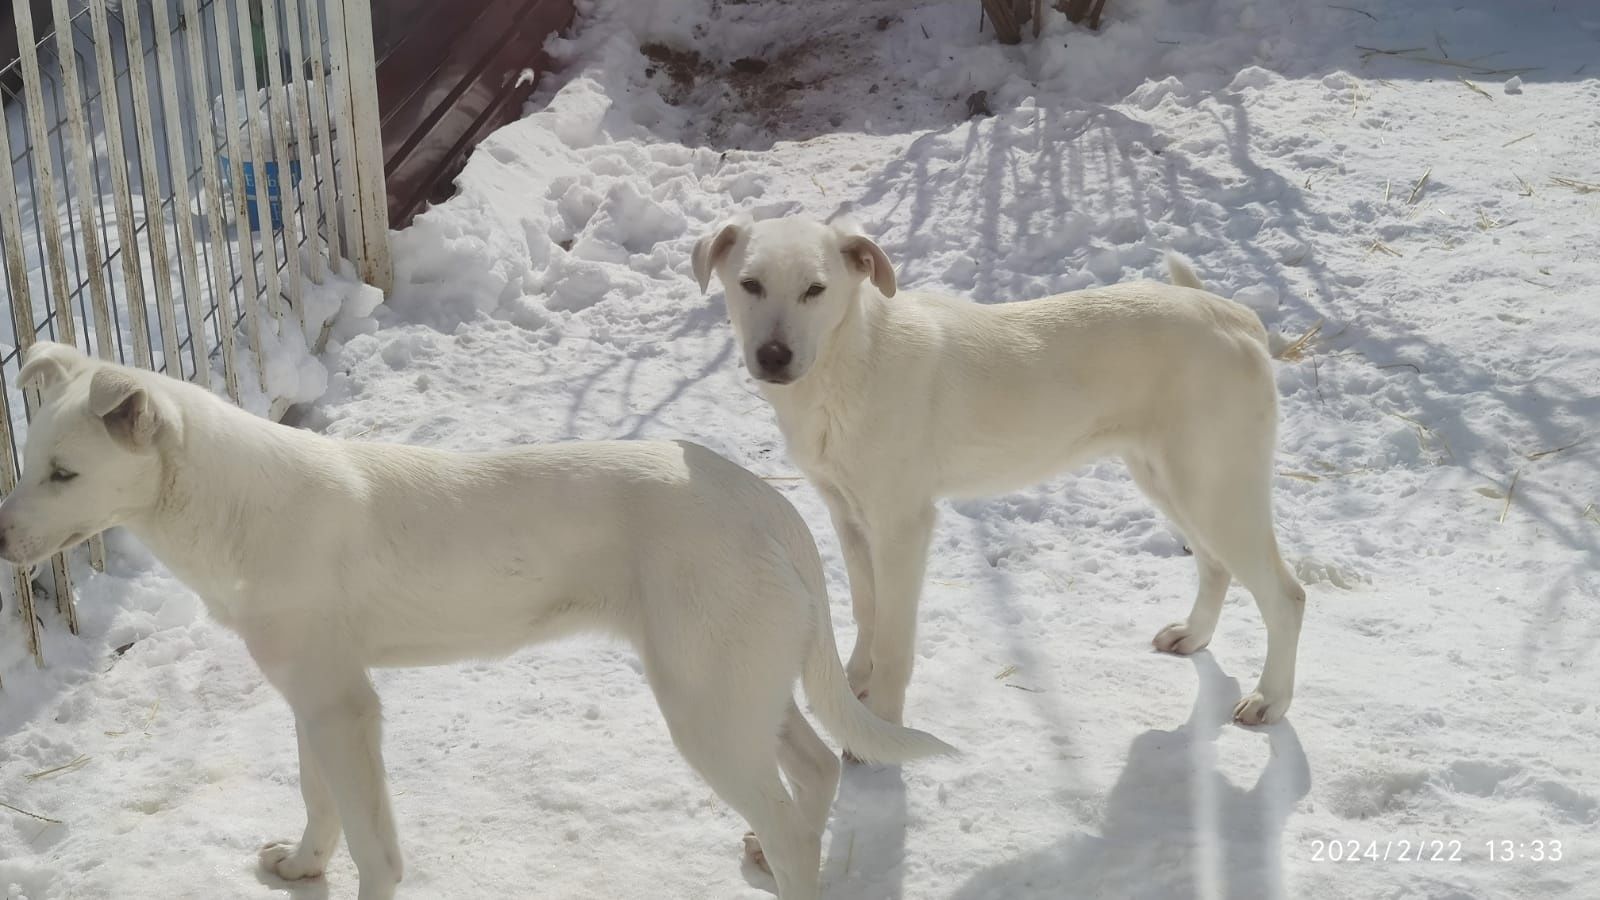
{"points": [[1174, 826]]}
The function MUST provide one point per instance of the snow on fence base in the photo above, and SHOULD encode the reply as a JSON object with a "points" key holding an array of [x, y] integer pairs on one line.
{"points": [[131, 217]]}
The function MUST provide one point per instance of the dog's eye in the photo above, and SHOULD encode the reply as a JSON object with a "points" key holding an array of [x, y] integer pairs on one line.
{"points": [[751, 286], [61, 475], [814, 290]]}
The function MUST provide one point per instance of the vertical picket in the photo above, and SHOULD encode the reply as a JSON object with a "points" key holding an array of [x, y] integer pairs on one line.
{"points": [[361, 64], [343, 115], [322, 119], [45, 210], [17, 272], [76, 103], [276, 128], [299, 98], [215, 215], [150, 189], [183, 217], [45, 167], [258, 156], [128, 242], [241, 216]]}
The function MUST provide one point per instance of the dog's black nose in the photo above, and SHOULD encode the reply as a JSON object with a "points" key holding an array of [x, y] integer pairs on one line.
{"points": [[773, 357]]}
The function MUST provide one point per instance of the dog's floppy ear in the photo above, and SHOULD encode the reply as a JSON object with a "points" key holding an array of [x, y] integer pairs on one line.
{"points": [[125, 406], [48, 363], [709, 250], [864, 256]]}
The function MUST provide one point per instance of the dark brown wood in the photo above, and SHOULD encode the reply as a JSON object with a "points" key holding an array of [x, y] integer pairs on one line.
{"points": [[448, 74], [1004, 18], [1078, 10]]}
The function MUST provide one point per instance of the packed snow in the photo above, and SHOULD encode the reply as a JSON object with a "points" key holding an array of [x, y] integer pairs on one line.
{"points": [[1406, 192]]}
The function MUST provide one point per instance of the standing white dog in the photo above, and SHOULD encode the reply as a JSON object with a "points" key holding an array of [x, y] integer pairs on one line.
{"points": [[329, 557], [889, 404]]}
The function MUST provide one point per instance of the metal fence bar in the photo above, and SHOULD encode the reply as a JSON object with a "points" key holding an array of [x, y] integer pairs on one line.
{"points": [[216, 216], [258, 157], [241, 217], [278, 94], [17, 273], [299, 97], [177, 163], [322, 119], [150, 186], [127, 237]]}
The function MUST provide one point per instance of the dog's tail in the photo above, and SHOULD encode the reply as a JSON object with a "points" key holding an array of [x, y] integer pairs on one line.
{"points": [[867, 737], [1181, 272]]}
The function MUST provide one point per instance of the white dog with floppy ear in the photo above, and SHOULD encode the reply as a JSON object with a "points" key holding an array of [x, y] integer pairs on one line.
{"points": [[84, 473], [331, 557], [890, 404], [784, 305]]}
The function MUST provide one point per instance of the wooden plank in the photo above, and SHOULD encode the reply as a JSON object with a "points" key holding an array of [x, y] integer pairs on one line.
{"points": [[375, 265], [45, 208], [182, 214], [277, 96], [105, 342], [128, 249], [216, 215], [17, 274], [150, 188], [322, 119], [241, 214], [258, 157], [76, 103], [305, 148], [343, 115]]}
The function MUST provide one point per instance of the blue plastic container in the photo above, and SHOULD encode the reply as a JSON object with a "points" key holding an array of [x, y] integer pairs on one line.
{"points": [[274, 191]]}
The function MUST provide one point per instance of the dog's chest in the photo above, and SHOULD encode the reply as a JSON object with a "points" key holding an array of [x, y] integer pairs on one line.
{"points": [[822, 443]]}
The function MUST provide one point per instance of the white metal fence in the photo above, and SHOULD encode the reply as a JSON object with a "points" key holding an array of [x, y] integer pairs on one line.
{"points": [[175, 171]]}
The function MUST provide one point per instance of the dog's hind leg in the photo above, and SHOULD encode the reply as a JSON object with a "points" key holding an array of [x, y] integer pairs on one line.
{"points": [[812, 769], [733, 744], [1195, 632], [1221, 493], [308, 858]]}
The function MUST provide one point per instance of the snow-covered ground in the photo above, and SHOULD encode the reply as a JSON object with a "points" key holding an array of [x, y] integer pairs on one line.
{"points": [[1437, 217]]}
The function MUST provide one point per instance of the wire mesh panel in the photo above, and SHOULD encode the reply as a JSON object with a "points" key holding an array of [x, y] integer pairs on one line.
{"points": [[170, 169]]}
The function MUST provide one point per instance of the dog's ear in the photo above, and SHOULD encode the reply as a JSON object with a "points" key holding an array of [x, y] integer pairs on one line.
{"points": [[866, 257], [48, 364], [126, 407], [709, 250]]}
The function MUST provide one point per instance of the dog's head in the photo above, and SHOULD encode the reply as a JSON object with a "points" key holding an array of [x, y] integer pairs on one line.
{"points": [[789, 283], [93, 456]]}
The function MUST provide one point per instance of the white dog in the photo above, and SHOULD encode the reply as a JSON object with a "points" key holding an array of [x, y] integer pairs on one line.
{"points": [[329, 557], [891, 402]]}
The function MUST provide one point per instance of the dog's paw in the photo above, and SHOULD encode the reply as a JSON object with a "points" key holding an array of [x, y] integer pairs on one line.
{"points": [[1255, 709], [286, 860], [754, 853], [1180, 639], [858, 674]]}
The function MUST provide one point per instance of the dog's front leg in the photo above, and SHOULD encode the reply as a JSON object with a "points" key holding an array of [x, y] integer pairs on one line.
{"points": [[344, 731], [898, 541], [863, 588], [338, 719], [309, 858]]}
